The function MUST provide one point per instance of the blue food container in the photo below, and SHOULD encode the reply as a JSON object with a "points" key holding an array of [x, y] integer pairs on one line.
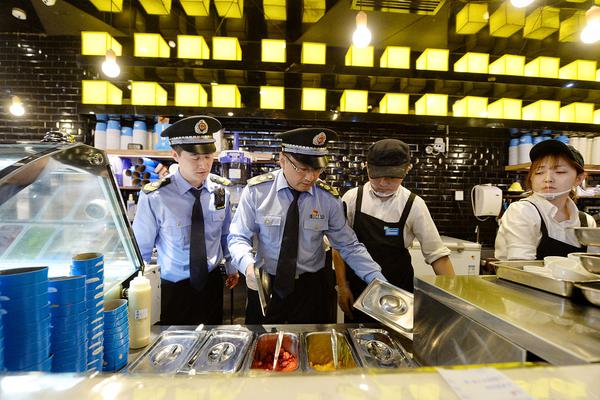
{"points": [[22, 276]]}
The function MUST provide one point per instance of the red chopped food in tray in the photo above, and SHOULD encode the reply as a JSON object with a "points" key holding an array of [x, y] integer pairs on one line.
{"points": [[265, 350]]}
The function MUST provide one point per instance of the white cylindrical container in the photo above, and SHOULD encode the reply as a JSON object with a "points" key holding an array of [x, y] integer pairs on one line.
{"points": [[100, 135], [574, 141], [583, 147], [587, 156], [126, 137], [525, 145], [113, 135], [140, 301], [596, 151], [513, 151], [140, 134]]}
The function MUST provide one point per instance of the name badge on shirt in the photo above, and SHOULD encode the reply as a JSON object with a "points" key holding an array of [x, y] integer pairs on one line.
{"points": [[391, 231], [316, 215]]}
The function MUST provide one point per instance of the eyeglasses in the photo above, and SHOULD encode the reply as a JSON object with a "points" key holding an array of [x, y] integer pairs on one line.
{"points": [[304, 171]]}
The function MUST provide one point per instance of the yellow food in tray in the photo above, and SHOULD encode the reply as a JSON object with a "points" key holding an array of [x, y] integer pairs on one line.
{"points": [[320, 356]]}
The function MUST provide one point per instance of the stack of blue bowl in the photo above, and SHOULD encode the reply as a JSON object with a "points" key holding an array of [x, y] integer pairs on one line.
{"points": [[116, 335], [92, 266], [2, 312], [68, 324], [26, 325]]}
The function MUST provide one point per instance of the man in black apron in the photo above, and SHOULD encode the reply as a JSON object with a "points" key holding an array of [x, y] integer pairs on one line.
{"points": [[380, 212]]}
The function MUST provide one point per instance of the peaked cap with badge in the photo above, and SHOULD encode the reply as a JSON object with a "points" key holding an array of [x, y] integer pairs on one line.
{"points": [[307, 145], [194, 134]]}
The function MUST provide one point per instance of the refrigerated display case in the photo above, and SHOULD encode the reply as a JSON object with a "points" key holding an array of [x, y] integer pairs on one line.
{"points": [[60, 200]]}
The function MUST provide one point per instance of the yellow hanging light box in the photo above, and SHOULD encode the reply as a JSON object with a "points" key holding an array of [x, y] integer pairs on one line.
{"points": [[100, 92], [541, 23], [273, 50], [597, 117], [542, 110], [543, 67], [470, 106], [433, 60], [226, 48], [226, 96], [230, 8], [472, 18], [395, 57], [359, 57], [314, 99], [506, 20], [148, 94], [505, 109], [313, 53], [582, 113], [194, 47], [582, 70], [150, 45], [96, 44], [354, 101], [275, 9], [476, 63], [196, 8], [108, 5], [432, 104], [571, 27], [598, 75], [508, 64], [190, 95], [156, 7], [313, 10], [394, 103], [272, 97]]}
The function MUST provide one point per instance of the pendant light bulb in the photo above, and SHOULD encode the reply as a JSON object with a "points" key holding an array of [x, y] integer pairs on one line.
{"points": [[521, 3], [362, 34], [16, 108], [591, 32], [110, 66]]}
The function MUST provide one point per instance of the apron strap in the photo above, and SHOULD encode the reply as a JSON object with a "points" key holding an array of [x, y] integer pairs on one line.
{"points": [[358, 204], [407, 207], [542, 223]]}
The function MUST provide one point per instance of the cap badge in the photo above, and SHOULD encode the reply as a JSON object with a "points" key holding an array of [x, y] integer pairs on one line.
{"points": [[201, 127], [320, 139]]}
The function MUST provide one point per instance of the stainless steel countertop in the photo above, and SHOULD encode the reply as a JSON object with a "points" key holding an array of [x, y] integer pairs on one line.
{"points": [[556, 329]]}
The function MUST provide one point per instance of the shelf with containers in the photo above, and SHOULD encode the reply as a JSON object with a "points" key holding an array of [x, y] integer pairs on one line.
{"points": [[592, 169]]}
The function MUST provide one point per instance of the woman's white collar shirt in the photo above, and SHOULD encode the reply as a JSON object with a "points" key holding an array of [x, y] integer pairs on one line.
{"points": [[520, 228]]}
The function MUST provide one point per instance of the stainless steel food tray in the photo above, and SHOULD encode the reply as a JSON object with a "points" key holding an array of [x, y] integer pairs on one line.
{"points": [[377, 349], [169, 352], [291, 340], [513, 271], [389, 305], [346, 355], [223, 351], [591, 291]]}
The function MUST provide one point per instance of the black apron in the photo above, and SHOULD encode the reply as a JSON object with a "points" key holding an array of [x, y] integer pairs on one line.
{"points": [[385, 243], [553, 247]]}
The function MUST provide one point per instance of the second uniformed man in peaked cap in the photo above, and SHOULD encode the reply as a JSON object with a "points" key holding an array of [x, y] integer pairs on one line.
{"points": [[289, 211], [186, 217]]}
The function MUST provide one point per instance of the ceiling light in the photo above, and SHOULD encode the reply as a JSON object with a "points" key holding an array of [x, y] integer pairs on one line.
{"points": [[16, 108], [49, 3], [521, 3], [172, 44], [591, 32], [110, 66], [230, 114], [180, 115], [19, 13], [569, 85], [362, 34]]}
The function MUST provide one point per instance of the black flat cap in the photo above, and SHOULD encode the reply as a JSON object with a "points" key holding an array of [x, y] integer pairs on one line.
{"points": [[194, 134], [307, 145], [555, 147], [388, 158]]}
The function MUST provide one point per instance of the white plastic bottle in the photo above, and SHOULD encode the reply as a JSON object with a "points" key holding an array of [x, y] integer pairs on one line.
{"points": [[140, 300], [131, 208]]}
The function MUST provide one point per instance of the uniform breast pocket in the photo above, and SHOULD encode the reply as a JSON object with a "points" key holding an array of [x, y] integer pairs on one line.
{"points": [[177, 233], [218, 216], [317, 225], [270, 227]]}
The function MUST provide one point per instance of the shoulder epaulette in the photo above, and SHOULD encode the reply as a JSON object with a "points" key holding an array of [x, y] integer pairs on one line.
{"points": [[220, 180], [268, 177], [152, 186], [328, 188]]}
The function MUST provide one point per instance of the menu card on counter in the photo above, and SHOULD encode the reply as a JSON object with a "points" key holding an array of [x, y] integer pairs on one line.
{"points": [[482, 383]]}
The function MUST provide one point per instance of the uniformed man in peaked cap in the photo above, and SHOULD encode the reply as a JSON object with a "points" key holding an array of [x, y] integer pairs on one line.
{"points": [[186, 217], [289, 211]]}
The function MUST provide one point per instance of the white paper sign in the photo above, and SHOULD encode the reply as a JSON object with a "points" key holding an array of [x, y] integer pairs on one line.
{"points": [[482, 383]]}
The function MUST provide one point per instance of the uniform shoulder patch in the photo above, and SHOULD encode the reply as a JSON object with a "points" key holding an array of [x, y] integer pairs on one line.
{"points": [[220, 180], [328, 188], [152, 186], [268, 177]]}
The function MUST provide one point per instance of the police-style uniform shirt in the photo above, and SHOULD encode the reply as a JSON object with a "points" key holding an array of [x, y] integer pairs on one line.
{"points": [[419, 223], [520, 228], [164, 219], [262, 211]]}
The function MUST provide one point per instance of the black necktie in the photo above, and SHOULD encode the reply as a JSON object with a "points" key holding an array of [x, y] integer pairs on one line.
{"points": [[288, 253], [198, 263]]}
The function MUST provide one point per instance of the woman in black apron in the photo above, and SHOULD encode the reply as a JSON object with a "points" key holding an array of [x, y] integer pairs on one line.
{"points": [[537, 227]]}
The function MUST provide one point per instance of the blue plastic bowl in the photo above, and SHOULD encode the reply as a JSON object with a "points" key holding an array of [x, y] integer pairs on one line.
{"points": [[88, 262], [67, 282], [22, 276], [115, 307], [112, 322], [24, 321], [29, 290], [14, 361], [117, 326], [66, 310], [67, 296]]}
